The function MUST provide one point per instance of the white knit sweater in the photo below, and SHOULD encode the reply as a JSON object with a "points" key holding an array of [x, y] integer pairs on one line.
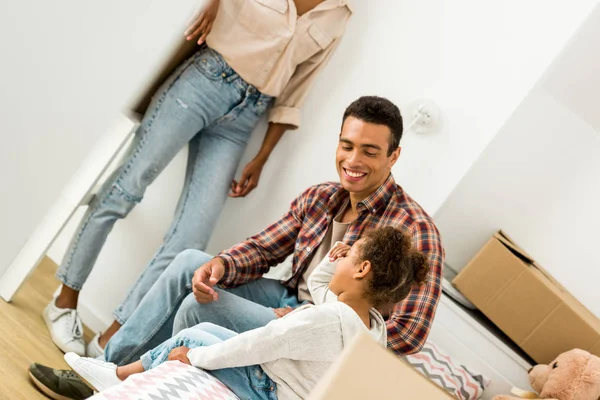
{"points": [[295, 351]]}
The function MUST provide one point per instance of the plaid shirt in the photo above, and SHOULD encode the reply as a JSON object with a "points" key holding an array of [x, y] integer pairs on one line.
{"points": [[303, 228]]}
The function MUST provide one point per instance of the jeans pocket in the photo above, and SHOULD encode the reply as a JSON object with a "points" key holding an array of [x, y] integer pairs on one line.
{"points": [[209, 66], [260, 380]]}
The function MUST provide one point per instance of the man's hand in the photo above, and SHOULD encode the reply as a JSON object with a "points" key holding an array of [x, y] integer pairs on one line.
{"points": [[180, 354], [249, 179], [205, 277], [202, 25], [281, 312], [339, 250]]}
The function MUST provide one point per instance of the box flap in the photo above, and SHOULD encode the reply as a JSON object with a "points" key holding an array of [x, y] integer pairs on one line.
{"points": [[365, 370], [516, 250], [526, 258]]}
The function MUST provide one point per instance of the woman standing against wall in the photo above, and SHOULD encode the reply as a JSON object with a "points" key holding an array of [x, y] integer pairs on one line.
{"points": [[255, 57]]}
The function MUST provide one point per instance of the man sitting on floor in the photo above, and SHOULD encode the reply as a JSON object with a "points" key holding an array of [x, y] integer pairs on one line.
{"points": [[367, 197]]}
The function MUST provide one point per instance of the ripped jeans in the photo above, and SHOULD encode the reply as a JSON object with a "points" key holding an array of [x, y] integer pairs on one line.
{"points": [[204, 103]]}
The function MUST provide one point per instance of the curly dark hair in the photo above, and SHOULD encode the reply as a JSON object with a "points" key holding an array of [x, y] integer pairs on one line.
{"points": [[380, 111], [395, 265]]}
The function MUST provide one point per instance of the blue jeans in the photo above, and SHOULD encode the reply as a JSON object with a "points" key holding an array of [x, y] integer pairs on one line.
{"points": [[169, 307], [205, 104], [249, 382]]}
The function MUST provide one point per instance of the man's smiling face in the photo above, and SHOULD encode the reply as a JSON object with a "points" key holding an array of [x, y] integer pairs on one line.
{"points": [[362, 157]]}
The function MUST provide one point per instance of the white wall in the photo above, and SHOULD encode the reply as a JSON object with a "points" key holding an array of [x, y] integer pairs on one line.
{"points": [[475, 60], [67, 68], [538, 179]]}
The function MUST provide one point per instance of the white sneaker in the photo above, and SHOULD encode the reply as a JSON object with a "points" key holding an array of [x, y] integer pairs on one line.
{"points": [[98, 375], [93, 348], [65, 328]]}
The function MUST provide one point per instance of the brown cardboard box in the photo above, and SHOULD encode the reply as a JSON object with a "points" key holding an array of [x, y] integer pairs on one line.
{"points": [[365, 370], [525, 302]]}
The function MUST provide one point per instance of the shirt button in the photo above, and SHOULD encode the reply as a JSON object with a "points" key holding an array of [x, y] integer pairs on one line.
{"points": [[308, 248]]}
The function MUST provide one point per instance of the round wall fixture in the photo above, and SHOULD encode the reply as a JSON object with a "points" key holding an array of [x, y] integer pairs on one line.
{"points": [[424, 116]]}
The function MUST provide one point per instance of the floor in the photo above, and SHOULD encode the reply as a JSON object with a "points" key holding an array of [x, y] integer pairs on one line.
{"points": [[23, 335]]}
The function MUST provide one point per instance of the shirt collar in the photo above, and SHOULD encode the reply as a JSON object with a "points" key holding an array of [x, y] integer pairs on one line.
{"points": [[378, 199], [381, 196], [331, 4], [348, 3]]}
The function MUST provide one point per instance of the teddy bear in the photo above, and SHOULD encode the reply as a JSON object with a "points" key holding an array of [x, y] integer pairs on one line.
{"points": [[574, 375]]}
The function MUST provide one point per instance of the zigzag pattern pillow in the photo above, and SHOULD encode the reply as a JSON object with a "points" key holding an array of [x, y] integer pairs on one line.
{"points": [[446, 373], [169, 381]]}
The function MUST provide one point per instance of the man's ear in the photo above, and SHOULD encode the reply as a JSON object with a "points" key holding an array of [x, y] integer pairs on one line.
{"points": [[362, 270], [395, 156]]}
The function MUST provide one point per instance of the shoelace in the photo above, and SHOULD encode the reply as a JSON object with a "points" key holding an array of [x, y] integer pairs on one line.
{"points": [[74, 322], [66, 374]]}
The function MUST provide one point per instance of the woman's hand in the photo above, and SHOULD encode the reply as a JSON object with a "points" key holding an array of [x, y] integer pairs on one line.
{"points": [[180, 354], [249, 180], [202, 25], [339, 250]]}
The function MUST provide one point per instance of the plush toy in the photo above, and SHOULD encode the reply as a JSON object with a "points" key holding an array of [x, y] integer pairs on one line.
{"points": [[574, 375]]}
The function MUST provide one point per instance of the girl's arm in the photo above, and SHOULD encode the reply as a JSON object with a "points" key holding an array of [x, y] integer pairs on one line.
{"points": [[300, 335], [318, 282]]}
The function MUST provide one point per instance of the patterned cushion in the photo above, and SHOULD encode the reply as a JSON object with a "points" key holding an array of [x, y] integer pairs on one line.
{"points": [[447, 373], [169, 381]]}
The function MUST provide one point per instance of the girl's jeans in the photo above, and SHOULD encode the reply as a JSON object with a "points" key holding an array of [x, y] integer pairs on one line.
{"points": [[248, 382]]}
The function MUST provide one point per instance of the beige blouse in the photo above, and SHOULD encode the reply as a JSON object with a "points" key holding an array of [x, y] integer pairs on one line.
{"points": [[279, 53]]}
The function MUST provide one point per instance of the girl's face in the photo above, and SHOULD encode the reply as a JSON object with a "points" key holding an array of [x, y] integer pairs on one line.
{"points": [[343, 279]]}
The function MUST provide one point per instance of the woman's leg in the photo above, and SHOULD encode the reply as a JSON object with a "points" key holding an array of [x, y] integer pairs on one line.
{"points": [[212, 162], [213, 158], [168, 125], [152, 322]]}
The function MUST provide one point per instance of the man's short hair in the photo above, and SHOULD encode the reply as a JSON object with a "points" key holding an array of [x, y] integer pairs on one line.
{"points": [[380, 111]]}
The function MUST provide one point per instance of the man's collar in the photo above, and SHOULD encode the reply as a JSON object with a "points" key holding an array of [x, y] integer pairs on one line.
{"points": [[381, 196], [378, 199]]}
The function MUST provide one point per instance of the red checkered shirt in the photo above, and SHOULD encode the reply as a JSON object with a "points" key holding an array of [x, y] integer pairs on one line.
{"points": [[301, 230]]}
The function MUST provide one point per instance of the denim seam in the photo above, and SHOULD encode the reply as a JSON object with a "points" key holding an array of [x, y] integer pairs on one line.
{"points": [[63, 277], [128, 196], [67, 282], [153, 332], [234, 113]]}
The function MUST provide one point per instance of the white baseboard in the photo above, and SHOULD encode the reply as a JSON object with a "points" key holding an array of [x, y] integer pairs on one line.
{"points": [[92, 319]]}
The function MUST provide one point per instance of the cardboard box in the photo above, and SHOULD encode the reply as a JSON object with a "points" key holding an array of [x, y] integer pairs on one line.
{"points": [[365, 370], [526, 303]]}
